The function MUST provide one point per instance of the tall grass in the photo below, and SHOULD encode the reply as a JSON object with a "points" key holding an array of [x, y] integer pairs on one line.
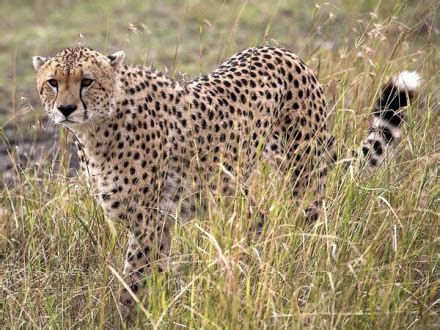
{"points": [[370, 261]]}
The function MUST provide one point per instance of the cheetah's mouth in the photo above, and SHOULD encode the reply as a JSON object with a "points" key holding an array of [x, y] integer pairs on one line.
{"points": [[68, 122]]}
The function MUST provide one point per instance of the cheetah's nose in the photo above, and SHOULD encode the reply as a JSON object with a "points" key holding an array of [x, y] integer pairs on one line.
{"points": [[66, 110]]}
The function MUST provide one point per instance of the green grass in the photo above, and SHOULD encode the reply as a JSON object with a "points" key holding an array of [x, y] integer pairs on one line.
{"points": [[370, 261]]}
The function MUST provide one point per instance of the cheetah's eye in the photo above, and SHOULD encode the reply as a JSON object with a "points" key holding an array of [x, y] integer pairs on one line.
{"points": [[86, 82], [53, 83]]}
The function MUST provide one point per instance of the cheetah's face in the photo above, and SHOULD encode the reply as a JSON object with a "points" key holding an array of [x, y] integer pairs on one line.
{"points": [[77, 85]]}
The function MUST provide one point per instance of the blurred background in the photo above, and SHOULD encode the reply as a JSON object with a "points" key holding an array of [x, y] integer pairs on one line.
{"points": [[186, 38]]}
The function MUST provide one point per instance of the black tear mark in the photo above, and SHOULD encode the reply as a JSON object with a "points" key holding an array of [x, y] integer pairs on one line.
{"points": [[84, 104]]}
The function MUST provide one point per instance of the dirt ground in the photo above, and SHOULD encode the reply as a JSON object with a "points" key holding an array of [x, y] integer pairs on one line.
{"points": [[28, 140]]}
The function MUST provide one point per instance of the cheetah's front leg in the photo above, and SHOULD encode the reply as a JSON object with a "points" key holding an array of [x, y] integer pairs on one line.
{"points": [[147, 250]]}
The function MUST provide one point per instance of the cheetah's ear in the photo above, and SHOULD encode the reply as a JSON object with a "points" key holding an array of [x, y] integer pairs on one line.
{"points": [[38, 62], [116, 59]]}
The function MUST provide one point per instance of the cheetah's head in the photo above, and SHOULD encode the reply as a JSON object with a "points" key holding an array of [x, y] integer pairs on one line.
{"points": [[77, 85]]}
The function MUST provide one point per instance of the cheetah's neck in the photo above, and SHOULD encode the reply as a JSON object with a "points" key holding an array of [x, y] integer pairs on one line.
{"points": [[147, 112]]}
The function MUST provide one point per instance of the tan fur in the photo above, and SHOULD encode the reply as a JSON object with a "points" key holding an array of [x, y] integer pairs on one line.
{"points": [[149, 146]]}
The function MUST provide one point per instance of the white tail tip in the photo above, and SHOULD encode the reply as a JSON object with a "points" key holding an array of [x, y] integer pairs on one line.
{"points": [[407, 80]]}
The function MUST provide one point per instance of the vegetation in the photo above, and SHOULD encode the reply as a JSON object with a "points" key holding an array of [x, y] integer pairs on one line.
{"points": [[370, 261]]}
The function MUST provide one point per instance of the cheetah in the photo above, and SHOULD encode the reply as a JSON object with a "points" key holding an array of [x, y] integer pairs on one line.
{"points": [[149, 145]]}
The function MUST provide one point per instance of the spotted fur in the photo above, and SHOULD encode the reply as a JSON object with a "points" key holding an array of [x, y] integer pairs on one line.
{"points": [[151, 146]]}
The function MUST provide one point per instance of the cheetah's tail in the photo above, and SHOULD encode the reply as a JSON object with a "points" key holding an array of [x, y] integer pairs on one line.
{"points": [[385, 131]]}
